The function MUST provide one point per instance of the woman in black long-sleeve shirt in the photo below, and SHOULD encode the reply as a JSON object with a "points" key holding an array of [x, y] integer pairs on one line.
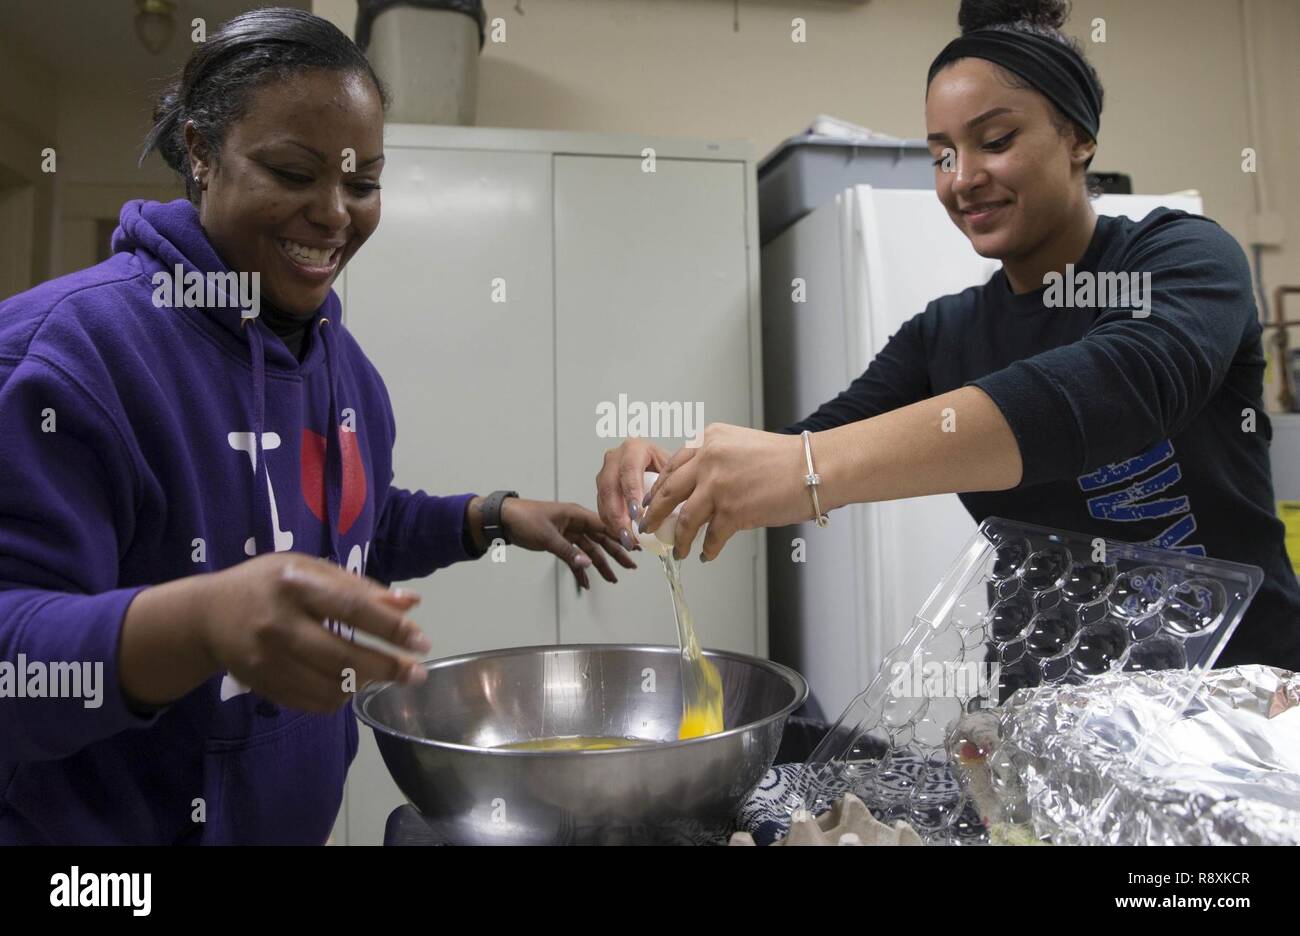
{"points": [[1107, 380]]}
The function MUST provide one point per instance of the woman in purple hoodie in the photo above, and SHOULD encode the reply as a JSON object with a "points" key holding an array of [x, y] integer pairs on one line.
{"points": [[197, 473]]}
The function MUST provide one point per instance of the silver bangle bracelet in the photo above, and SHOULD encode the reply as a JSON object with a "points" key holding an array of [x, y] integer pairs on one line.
{"points": [[812, 479]]}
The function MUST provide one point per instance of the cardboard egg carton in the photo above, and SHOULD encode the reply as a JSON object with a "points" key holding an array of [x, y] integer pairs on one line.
{"points": [[848, 822]]}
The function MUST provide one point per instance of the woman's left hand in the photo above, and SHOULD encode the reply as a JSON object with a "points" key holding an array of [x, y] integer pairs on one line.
{"points": [[569, 531], [736, 479]]}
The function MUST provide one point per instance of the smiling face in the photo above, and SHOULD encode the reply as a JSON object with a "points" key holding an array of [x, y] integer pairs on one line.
{"points": [[1012, 181], [278, 199]]}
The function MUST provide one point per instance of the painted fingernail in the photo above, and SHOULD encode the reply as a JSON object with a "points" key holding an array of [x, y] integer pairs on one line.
{"points": [[582, 561], [415, 674], [633, 509], [625, 538]]}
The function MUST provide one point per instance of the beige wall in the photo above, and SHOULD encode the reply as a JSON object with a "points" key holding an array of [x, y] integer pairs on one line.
{"points": [[100, 135], [27, 195], [1176, 113], [95, 130]]}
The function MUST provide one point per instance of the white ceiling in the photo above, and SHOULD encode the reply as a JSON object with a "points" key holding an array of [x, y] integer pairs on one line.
{"points": [[82, 39]]}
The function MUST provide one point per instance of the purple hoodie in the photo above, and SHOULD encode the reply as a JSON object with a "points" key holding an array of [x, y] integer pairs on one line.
{"points": [[128, 461]]}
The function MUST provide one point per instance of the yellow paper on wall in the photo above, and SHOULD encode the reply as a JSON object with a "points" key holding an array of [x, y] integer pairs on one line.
{"points": [[1289, 512]]}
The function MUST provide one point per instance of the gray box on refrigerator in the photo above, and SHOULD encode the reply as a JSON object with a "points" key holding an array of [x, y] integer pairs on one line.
{"points": [[809, 170]]}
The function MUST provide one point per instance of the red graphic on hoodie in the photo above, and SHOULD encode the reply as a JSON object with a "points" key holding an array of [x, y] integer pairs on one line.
{"points": [[313, 477]]}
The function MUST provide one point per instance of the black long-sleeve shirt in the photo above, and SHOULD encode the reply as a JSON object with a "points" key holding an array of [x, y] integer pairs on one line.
{"points": [[1133, 427]]}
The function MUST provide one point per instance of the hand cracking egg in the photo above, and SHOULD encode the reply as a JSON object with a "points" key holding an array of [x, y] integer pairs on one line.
{"points": [[660, 542]]}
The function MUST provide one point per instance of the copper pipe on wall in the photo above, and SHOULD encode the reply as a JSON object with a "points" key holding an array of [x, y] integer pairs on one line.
{"points": [[1288, 395]]}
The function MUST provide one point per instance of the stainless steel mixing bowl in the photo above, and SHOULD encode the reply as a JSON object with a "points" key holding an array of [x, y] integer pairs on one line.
{"points": [[440, 741]]}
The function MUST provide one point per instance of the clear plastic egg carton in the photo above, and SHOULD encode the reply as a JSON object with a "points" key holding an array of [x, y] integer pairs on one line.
{"points": [[1022, 606]]}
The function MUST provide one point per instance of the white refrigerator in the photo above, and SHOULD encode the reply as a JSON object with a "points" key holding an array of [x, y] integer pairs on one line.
{"points": [[836, 285]]}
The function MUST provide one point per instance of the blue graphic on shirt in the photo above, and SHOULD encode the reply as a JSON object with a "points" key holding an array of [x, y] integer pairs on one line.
{"points": [[1122, 471], [1140, 501], [1132, 503], [1171, 537]]}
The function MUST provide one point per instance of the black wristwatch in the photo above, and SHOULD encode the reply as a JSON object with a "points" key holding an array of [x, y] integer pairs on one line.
{"points": [[493, 528]]}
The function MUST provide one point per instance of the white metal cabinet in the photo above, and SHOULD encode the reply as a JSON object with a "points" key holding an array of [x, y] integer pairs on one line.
{"points": [[470, 377], [652, 304], [500, 394]]}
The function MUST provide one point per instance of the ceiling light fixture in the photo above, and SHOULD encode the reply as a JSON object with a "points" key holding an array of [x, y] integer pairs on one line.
{"points": [[154, 23]]}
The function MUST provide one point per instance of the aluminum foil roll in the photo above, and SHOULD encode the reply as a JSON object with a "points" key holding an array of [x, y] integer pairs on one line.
{"points": [[1108, 762]]}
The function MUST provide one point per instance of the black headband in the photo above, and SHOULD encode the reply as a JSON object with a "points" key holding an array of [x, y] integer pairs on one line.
{"points": [[1051, 66]]}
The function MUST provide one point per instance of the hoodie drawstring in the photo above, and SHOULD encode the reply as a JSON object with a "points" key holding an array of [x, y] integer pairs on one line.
{"points": [[263, 534], [334, 464]]}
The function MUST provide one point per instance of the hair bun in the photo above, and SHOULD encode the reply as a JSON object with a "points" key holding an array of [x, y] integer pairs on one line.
{"points": [[984, 14]]}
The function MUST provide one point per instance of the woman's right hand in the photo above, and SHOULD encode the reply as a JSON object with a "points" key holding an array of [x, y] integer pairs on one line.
{"points": [[264, 625], [262, 622], [619, 493]]}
